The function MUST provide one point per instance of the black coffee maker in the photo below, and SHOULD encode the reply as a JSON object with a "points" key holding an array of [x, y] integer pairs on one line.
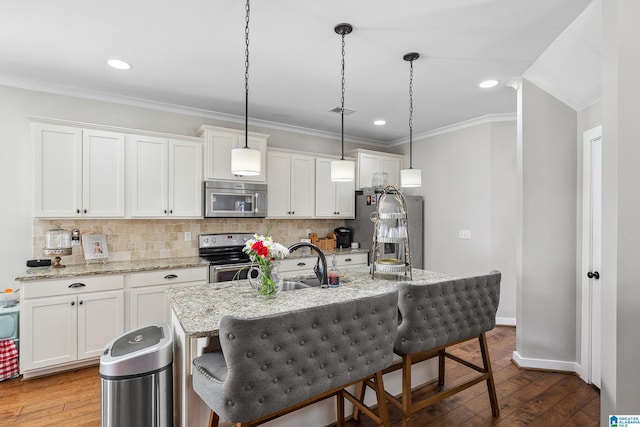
{"points": [[343, 237]]}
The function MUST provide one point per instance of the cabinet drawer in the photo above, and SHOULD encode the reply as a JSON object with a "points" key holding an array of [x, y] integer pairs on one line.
{"points": [[71, 286], [167, 277], [298, 264], [352, 260]]}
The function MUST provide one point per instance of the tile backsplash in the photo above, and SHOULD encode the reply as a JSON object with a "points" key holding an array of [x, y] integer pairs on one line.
{"points": [[144, 239]]}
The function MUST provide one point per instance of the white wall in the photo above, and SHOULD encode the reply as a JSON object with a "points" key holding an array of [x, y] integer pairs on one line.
{"points": [[620, 392], [468, 182], [547, 254]]}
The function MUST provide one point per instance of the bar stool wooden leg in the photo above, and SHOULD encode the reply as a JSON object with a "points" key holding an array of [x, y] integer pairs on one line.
{"points": [[491, 385], [406, 390], [214, 419]]}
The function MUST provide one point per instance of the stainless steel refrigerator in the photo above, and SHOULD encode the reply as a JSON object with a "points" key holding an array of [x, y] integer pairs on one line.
{"points": [[362, 226]]}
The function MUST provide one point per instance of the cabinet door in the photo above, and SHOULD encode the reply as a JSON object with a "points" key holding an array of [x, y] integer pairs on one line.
{"points": [[48, 329], [333, 199], [391, 166], [302, 178], [103, 174], [279, 184], [149, 176], [367, 166], [185, 179], [218, 146], [148, 305], [58, 170], [100, 319], [325, 189], [345, 199]]}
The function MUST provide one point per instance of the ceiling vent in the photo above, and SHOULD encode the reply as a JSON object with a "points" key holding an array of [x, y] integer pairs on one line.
{"points": [[338, 109]]}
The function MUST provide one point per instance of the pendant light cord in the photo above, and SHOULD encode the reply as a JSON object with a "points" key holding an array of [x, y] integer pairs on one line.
{"points": [[342, 99], [246, 78], [411, 115]]}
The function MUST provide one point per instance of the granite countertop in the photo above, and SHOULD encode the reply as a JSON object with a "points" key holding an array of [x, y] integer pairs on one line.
{"points": [[200, 308], [118, 267]]}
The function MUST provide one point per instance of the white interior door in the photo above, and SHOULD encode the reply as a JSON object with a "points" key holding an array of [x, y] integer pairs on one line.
{"points": [[591, 255]]}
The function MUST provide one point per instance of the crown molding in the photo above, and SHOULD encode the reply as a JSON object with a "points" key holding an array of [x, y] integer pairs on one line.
{"points": [[489, 118]]}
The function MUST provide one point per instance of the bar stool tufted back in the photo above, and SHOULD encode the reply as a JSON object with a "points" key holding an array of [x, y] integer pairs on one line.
{"points": [[446, 312], [289, 360], [435, 316]]}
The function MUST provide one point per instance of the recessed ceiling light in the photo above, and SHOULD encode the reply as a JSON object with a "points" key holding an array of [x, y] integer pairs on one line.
{"points": [[488, 84], [119, 64], [380, 122]]}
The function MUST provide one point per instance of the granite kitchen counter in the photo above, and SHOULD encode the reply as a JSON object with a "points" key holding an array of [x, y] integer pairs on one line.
{"points": [[118, 267], [199, 309]]}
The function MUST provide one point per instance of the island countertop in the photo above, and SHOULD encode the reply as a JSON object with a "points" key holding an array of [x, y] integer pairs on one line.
{"points": [[199, 309]]}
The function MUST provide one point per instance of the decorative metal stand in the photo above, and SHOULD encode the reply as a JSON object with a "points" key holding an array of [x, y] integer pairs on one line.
{"points": [[391, 227]]}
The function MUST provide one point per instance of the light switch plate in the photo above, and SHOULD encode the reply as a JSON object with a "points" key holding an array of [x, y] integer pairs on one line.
{"points": [[187, 236], [464, 234]]}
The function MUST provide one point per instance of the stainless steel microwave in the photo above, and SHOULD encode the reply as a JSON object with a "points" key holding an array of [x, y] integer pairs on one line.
{"points": [[224, 199]]}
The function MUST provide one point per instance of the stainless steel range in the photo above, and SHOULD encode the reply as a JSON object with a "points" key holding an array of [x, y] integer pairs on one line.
{"points": [[225, 256]]}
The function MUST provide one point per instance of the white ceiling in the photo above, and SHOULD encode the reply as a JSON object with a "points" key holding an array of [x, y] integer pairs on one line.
{"points": [[191, 54]]}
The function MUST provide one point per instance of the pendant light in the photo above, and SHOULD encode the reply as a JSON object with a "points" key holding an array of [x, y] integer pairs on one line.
{"points": [[245, 160], [343, 170], [411, 177]]}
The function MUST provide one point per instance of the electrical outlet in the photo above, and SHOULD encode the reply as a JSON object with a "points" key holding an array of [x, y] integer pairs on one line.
{"points": [[464, 234], [187, 236], [308, 232]]}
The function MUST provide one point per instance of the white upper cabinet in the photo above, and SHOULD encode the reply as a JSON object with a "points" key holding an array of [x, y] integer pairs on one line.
{"points": [[333, 199], [291, 184], [370, 162], [78, 172], [217, 153], [165, 177]]}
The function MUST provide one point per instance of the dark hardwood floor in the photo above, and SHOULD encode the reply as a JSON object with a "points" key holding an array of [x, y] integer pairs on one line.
{"points": [[531, 398]]}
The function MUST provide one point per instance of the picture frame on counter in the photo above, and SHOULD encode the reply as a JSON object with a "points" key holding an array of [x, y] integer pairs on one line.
{"points": [[95, 246]]}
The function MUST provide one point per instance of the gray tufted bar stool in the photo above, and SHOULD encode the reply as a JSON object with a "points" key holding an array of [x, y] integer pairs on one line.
{"points": [[437, 316], [273, 365]]}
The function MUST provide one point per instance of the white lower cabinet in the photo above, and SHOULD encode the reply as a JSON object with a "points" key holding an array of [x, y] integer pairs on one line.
{"points": [[68, 320], [147, 302], [304, 265]]}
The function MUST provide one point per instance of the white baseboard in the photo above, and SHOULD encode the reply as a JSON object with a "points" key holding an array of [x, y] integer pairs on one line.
{"points": [[546, 364], [505, 321]]}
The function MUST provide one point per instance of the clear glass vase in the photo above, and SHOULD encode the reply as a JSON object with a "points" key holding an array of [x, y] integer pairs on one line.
{"points": [[266, 279]]}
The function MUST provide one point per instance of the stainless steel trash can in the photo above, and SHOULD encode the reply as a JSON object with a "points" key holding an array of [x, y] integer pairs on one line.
{"points": [[137, 378]]}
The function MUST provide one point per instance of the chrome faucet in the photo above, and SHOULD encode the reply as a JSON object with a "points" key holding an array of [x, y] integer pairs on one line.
{"points": [[321, 274]]}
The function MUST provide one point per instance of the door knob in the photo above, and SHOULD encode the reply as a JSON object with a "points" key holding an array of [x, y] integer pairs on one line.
{"points": [[594, 275]]}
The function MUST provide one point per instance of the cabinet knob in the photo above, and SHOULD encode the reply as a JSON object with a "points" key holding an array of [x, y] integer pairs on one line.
{"points": [[73, 303], [80, 302], [77, 211], [85, 211], [165, 211], [170, 211]]}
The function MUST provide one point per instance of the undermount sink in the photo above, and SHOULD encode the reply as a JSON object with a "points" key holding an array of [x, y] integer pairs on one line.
{"points": [[301, 284]]}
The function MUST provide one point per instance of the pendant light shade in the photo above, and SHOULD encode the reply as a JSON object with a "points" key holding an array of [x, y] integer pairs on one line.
{"points": [[343, 170], [245, 160], [411, 177]]}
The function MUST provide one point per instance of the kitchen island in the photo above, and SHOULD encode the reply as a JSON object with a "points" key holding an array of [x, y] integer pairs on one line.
{"points": [[196, 315]]}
